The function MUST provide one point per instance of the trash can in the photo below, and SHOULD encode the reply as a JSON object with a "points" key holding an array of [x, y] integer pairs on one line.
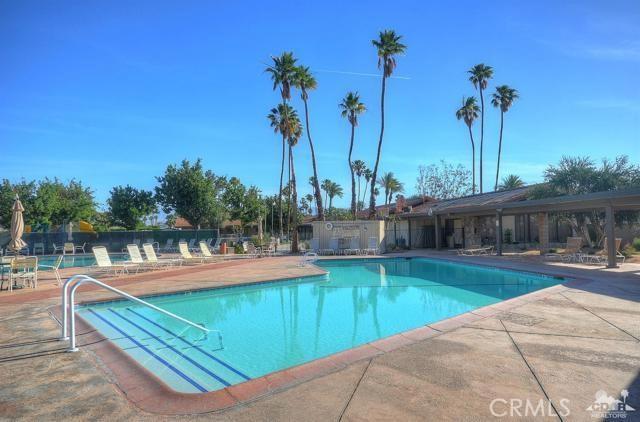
{"points": [[223, 248]]}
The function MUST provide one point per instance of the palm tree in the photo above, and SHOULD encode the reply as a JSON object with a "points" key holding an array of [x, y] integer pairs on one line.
{"points": [[294, 136], [310, 199], [359, 167], [510, 182], [502, 98], [326, 186], [480, 75], [391, 185], [282, 73], [469, 112], [334, 190], [352, 107], [368, 175], [304, 80], [281, 119], [389, 46]]}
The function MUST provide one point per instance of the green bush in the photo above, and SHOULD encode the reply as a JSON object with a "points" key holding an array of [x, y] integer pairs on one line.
{"points": [[636, 244], [628, 251], [238, 249]]}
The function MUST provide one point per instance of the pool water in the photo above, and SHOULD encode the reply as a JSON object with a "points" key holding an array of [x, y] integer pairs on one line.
{"points": [[271, 326], [78, 260]]}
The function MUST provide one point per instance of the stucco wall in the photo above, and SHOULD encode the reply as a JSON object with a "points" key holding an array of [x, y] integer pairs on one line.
{"points": [[324, 231]]}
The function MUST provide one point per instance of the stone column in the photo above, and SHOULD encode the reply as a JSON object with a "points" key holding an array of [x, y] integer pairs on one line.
{"points": [[543, 231]]}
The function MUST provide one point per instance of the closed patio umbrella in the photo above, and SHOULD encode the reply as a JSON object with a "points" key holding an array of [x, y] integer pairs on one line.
{"points": [[17, 227]]}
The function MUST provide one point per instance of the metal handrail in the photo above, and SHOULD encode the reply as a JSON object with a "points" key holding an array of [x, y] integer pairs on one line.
{"points": [[68, 302]]}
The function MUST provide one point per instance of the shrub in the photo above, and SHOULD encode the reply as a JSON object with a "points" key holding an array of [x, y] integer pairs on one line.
{"points": [[636, 244], [238, 249], [628, 251]]}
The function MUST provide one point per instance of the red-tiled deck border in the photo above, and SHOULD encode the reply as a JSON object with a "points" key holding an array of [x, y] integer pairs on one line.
{"points": [[150, 394]]}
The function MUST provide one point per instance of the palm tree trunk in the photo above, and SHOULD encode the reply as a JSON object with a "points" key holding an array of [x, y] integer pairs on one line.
{"points": [[364, 194], [280, 191], [372, 200], [289, 198], [330, 202], [358, 201], [353, 178], [481, 134], [316, 183], [499, 148], [294, 208], [473, 159]]}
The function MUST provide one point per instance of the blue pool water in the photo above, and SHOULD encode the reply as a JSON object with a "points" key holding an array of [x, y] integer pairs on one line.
{"points": [[272, 326], [78, 260]]}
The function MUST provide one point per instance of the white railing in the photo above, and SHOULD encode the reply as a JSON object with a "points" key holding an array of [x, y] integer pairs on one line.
{"points": [[69, 312]]}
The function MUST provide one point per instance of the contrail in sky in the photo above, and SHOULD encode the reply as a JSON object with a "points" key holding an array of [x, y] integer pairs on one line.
{"points": [[359, 74]]}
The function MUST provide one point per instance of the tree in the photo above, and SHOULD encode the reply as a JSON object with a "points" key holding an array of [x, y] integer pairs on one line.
{"points": [[580, 175], [388, 46], [27, 193], [359, 167], [443, 182], [189, 191], [351, 108], [282, 73], [58, 203], [294, 136], [129, 206], [510, 182], [326, 187], [242, 203], [480, 75], [503, 99], [391, 185], [304, 80], [334, 190], [469, 113], [170, 220], [281, 119], [368, 175]]}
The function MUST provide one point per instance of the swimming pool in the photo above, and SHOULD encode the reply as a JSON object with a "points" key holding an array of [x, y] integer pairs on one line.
{"points": [[267, 327], [78, 260]]}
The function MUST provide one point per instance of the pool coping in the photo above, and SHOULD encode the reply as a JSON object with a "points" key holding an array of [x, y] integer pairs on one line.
{"points": [[149, 393]]}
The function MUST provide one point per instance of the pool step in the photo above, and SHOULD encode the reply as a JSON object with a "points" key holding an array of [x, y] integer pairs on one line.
{"points": [[170, 354]]}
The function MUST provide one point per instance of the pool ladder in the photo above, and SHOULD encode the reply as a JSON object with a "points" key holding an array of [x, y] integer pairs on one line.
{"points": [[69, 312]]}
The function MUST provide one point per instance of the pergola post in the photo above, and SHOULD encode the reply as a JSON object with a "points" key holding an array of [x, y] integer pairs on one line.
{"points": [[437, 221], [611, 237], [499, 232]]}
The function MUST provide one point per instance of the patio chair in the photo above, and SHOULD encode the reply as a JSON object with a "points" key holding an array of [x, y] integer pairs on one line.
{"points": [[80, 248], [54, 268], [354, 247], [38, 246], [185, 253], [24, 269], [602, 257], [168, 247], [572, 250], [192, 245], [57, 248], [206, 252], [150, 253], [372, 247], [216, 245], [104, 264], [250, 250], [136, 257], [68, 248]]}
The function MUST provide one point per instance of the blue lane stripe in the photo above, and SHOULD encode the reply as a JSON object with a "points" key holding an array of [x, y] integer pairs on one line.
{"points": [[226, 365], [143, 347], [170, 347]]}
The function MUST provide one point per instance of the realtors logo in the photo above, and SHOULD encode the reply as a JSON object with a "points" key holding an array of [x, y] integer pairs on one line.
{"points": [[607, 407]]}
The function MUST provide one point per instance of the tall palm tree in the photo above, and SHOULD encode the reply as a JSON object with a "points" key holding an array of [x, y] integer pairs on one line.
{"points": [[294, 136], [281, 119], [334, 190], [351, 108], [282, 72], [359, 167], [389, 46], [480, 75], [391, 185], [503, 98], [469, 113], [326, 186], [304, 81], [511, 182], [310, 198], [368, 175]]}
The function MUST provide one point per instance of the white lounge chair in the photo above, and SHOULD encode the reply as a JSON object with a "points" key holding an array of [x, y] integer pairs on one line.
{"points": [[372, 247], [54, 268], [475, 250], [206, 252], [150, 253], [136, 257], [602, 257], [168, 247], [192, 245], [185, 253], [354, 247], [104, 264]]}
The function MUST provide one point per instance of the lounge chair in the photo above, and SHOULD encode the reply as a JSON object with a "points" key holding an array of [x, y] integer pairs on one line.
{"points": [[185, 253], [69, 248], [602, 257], [572, 250], [192, 245], [54, 268], [136, 257], [104, 264], [372, 247], [476, 250], [354, 247], [152, 241], [150, 253], [206, 252], [168, 247]]}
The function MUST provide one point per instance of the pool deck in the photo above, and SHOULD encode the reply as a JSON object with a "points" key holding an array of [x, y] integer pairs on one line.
{"points": [[565, 342]]}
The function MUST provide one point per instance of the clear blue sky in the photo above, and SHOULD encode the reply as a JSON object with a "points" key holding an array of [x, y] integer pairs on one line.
{"points": [[111, 92]]}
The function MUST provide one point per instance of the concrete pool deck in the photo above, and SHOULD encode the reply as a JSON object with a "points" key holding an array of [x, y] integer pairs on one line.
{"points": [[566, 344]]}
